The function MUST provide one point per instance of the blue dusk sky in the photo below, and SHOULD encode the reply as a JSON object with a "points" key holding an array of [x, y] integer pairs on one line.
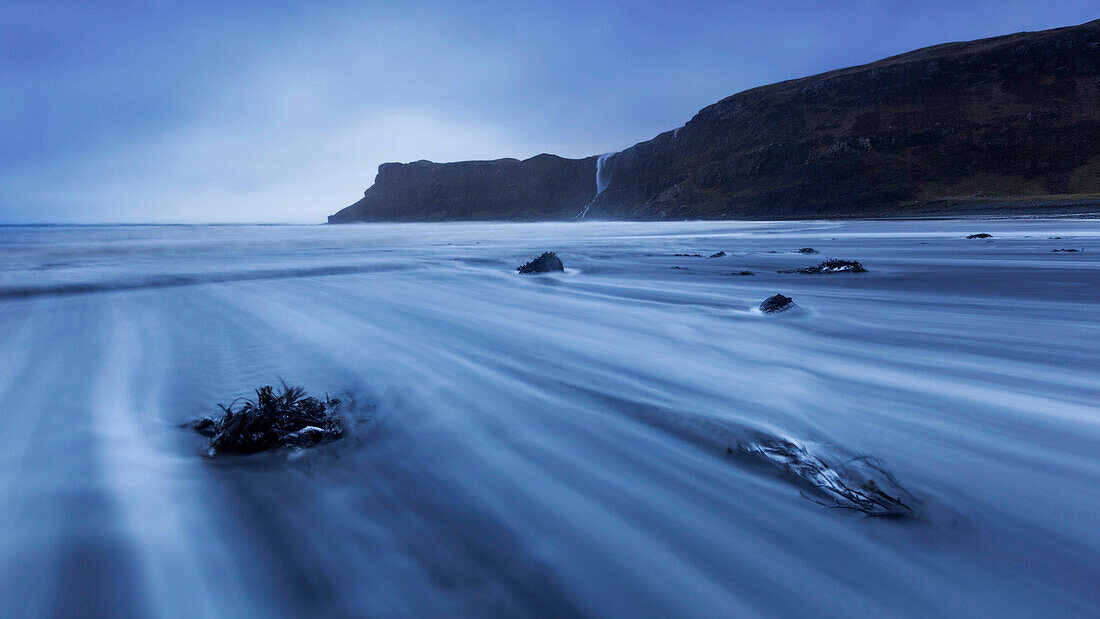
{"points": [[268, 111]]}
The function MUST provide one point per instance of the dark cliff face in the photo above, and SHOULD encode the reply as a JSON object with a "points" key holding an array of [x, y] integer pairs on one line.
{"points": [[1005, 117], [939, 128], [542, 187]]}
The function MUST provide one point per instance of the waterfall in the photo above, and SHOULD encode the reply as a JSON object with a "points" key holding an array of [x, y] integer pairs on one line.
{"points": [[602, 177]]}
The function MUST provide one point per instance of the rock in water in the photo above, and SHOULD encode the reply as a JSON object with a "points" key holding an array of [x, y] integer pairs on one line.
{"points": [[741, 273], [807, 250], [837, 266], [861, 485], [718, 254], [776, 303], [980, 235], [832, 265], [285, 419], [546, 263]]}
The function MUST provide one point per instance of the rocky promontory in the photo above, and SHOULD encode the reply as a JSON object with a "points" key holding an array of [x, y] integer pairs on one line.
{"points": [[1007, 124], [540, 188]]}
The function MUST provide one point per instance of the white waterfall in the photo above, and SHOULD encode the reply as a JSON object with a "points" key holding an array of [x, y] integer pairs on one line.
{"points": [[602, 177]]}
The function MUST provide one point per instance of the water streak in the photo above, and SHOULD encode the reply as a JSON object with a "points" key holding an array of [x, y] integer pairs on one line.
{"points": [[621, 439]]}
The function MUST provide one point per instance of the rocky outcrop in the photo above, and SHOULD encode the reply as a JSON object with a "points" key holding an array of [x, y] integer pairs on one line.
{"points": [[776, 303], [1010, 116], [539, 188], [1010, 123], [548, 262]]}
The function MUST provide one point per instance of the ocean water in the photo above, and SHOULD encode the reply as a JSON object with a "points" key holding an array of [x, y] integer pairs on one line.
{"points": [[568, 444]]}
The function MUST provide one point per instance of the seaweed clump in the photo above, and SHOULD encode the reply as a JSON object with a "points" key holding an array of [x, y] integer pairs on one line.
{"points": [[287, 418], [832, 265], [546, 263], [847, 487]]}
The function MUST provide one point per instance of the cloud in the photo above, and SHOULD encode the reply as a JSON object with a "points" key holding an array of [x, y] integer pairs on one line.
{"points": [[281, 112], [301, 174]]}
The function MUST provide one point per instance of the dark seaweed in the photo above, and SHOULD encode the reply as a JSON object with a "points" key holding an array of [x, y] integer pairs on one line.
{"points": [[832, 265], [852, 486], [287, 418]]}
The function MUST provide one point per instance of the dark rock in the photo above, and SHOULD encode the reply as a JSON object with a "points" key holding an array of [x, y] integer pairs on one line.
{"points": [[1065, 250], [776, 303], [542, 187], [832, 265], [688, 255], [807, 250], [285, 419], [679, 268], [718, 254], [546, 263], [206, 426], [980, 235], [741, 273]]}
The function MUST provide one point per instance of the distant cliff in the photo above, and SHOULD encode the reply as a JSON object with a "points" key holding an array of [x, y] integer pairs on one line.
{"points": [[542, 187], [1013, 118]]}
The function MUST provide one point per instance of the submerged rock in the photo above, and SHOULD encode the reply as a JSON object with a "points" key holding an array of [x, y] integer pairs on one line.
{"points": [[807, 250], [1065, 250], [832, 265], [548, 262], [859, 484], [285, 419], [717, 254], [741, 273], [980, 235], [776, 303], [688, 255]]}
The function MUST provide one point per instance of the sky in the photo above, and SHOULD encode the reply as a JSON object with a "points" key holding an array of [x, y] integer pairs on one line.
{"points": [[191, 111]]}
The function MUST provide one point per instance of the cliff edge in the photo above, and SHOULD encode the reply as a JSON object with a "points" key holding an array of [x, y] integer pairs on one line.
{"points": [[1009, 120]]}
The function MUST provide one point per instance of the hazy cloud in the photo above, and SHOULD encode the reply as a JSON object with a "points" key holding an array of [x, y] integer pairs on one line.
{"points": [[161, 111]]}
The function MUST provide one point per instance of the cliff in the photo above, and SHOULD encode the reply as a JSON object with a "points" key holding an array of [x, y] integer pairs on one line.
{"points": [[1013, 118], [542, 187]]}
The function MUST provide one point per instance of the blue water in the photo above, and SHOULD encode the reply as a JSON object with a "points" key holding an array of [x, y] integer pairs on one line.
{"points": [[564, 444]]}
